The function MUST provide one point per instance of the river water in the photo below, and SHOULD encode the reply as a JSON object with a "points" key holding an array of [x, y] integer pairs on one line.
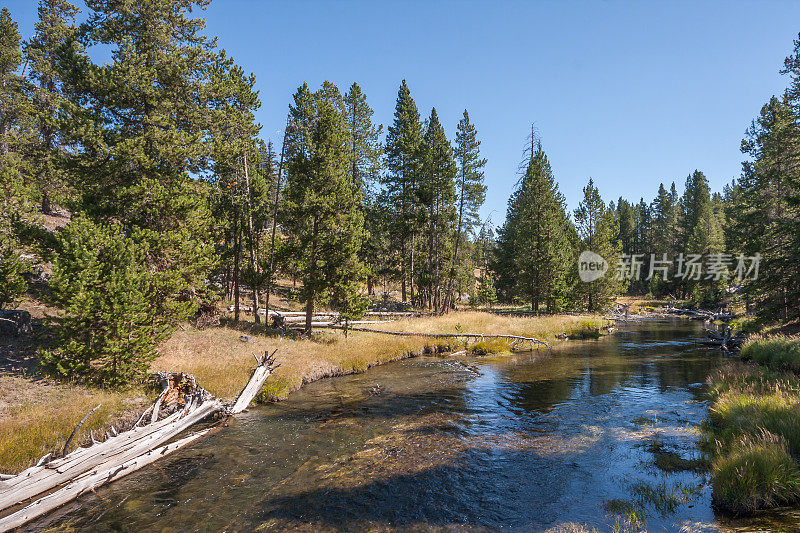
{"points": [[522, 443]]}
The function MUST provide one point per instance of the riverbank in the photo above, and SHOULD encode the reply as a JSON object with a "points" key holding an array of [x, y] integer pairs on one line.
{"points": [[752, 436], [222, 359]]}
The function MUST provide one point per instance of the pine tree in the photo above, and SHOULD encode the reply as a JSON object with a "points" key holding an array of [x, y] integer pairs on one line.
{"points": [[139, 127], [11, 83], [109, 329], [765, 215], [664, 209], [470, 193], [241, 190], [322, 211], [626, 214], [533, 247], [12, 284], [366, 151], [365, 169], [597, 228], [14, 110], [696, 195], [486, 291], [54, 30], [694, 221], [400, 183], [438, 216]]}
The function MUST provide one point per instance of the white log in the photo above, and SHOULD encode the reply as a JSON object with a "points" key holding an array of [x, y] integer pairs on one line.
{"points": [[110, 454], [89, 482], [86, 468]]}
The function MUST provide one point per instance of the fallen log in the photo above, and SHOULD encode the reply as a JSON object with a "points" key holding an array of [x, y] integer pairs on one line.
{"points": [[481, 336], [91, 481], [336, 325], [185, 403]]}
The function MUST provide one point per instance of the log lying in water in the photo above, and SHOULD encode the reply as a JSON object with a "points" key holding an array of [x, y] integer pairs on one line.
{"points": [[63, 479], [515, 338], [725, 340]]}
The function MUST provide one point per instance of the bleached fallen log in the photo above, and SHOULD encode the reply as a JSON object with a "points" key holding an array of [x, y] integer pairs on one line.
{"points": [[68, 477], [91, 481], [337, 325], [260, 374], [302, 319], [481, 336]]}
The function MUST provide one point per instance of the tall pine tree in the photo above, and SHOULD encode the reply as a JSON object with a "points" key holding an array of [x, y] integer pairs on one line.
{"points": [[401, 183], [470, 195], [534, 248], [438, 215], [140, 127], [54, 30], [321, 210], [597, 228]]}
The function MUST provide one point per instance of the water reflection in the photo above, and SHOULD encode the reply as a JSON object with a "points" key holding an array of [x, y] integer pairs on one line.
{"points": [[525, 442]]}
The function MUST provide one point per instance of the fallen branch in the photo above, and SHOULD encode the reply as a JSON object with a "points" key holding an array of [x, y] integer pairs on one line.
{"points": [[66, 444]]}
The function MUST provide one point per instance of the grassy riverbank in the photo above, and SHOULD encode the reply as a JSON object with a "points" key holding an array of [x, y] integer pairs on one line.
{"points": [[36, 415], [752, 435]]}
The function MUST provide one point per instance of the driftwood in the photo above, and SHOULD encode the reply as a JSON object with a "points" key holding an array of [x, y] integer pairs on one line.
{"points": [[724, 340], [514, 338], [182, 404], [699, 314]]}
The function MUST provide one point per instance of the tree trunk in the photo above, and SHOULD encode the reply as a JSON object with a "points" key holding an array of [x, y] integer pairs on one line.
{"points": [[312, 272], [411, 279], [403, 270], [237, 255], [271, 273], [251, 240]]}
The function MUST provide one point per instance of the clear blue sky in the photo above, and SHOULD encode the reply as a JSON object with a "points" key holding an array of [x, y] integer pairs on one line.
{"points": [[629, 93]]}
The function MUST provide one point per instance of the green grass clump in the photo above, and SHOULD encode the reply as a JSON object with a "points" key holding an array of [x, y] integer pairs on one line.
{"points": [[738, 414], [758, 474], [275, 388], [752, 435], [777, 352], [490, 346], [585, 329], [629, 515]]}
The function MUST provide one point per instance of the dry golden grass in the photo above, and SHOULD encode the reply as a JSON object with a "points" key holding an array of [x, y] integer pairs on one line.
{"points": [[43, 415], [222, 363]]}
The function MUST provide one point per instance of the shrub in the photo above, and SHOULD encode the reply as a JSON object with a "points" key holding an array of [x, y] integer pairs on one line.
{"points": [[745, 324], [112, 319]]}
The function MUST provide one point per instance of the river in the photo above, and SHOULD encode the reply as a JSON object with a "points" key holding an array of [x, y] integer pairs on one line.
{"points": [[523, 443]]}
